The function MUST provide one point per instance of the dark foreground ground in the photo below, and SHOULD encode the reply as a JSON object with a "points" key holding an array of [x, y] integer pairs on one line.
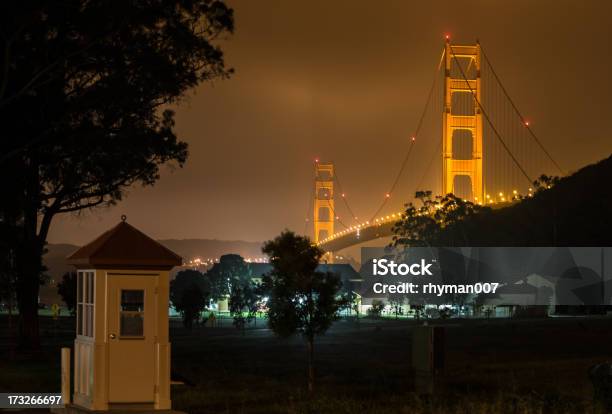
{"points": [[496, 366]]}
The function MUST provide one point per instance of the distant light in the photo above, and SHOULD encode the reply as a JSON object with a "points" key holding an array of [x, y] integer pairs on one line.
{"points": [[343, 195], [413, 139], [387, 195], [316, 160], [447, 36]]}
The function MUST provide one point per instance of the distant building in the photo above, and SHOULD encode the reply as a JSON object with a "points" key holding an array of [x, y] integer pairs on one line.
{"points": [[349, 276]]}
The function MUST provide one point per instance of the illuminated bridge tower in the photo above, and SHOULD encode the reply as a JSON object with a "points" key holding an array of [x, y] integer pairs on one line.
{"points": [[323, 201], [455, 123]]}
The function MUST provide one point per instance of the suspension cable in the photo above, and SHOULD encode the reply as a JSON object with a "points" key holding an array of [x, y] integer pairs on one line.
{"points": [[413, 140], [343, 195], [525, 124]]}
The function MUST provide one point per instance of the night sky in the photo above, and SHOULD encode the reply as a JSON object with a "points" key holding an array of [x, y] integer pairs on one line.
{"points": [[346, 81]]}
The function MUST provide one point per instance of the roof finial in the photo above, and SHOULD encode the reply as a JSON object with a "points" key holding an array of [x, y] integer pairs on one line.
{"points": [[123, 217]]}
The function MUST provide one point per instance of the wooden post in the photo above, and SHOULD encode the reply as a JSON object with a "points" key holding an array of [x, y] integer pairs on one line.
{"points": [[66, 376], [428, 357]]}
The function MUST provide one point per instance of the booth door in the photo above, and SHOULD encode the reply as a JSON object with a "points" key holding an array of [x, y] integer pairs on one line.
{"points": [[131, 337]]}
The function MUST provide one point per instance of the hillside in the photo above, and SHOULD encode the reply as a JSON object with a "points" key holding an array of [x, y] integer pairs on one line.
{"points": [[575, 212], [55, 258]]}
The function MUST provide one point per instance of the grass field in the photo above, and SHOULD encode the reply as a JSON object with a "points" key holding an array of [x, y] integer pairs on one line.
{"points": [[495, 366]]}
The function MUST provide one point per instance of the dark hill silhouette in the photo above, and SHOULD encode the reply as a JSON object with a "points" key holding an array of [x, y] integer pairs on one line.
{"points": [[574, 212], [55, 258]]}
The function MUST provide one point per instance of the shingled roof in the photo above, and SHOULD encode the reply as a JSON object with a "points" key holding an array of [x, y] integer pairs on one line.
{"points": [[124, 246]]}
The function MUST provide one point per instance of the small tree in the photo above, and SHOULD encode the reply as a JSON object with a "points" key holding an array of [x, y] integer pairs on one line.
{"points": [[419, 310], [376, 309], [348, 300], [244, 301], [545, 182], [189, 295], [67, 289], [231, 270], [301, 299], [396, 301]]}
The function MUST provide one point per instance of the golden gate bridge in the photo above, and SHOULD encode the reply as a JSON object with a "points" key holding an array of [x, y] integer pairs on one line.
{"points": [[471, 140]]}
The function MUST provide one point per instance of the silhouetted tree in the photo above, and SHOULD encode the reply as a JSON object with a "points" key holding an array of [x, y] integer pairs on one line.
{"points": [[422, 225], [232, 278], [84, 90], [301, 300], [244, 301], [545, 182], [230, 270], [67, 289], [348, 298], [376, 309], [189, 295]]}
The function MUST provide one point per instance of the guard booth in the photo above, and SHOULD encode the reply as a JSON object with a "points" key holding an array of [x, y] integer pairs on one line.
{"points": [[121, 350]]}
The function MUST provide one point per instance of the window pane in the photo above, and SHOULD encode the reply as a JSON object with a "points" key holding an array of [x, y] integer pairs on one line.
{"points": [[80, 287], [131, 324], [132, 308], [90, 287], [89, 320], [132, 300], [85, 287], [79, 319]]}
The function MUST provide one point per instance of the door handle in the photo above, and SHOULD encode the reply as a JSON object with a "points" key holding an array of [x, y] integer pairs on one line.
{"points": [[112, 336]]}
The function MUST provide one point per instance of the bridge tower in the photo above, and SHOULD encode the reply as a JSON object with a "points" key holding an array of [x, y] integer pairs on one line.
{"points": [[455, 84], [323, 213]]}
